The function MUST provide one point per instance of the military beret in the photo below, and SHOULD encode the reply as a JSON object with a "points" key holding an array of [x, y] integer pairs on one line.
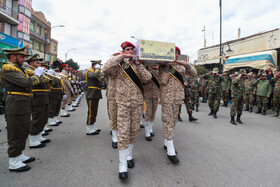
{"points": [[127, 44], [178, 49]]}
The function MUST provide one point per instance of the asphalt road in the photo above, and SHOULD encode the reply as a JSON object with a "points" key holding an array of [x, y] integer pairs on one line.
{"points": [[212, 152]]}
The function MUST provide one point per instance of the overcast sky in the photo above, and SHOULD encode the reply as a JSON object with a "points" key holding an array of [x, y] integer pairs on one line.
{"points": [[96, 28]]}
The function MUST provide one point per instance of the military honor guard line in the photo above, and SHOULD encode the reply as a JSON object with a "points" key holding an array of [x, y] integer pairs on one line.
{"points": [[37, 95]]}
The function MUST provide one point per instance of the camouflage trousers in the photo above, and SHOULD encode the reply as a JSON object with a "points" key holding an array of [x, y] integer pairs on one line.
{"points": [[262, 102], [276, 102], [113, 113], [214, 101], [237, 106], [195, 98], [188, 104], [225, 96], [128, 124], [152, 105], [249, 99], [204, 93], [169, 116]]}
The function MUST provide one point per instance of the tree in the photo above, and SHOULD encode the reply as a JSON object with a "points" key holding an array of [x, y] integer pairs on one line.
{"points": [[72, 64], [201, 70]]}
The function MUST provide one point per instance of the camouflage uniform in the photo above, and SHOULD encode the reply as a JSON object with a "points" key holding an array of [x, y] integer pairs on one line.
{"points": [[188, 100], [237, 96], [225, 90], [264, 88], [276, 94], [129, 100], [111, 96], [204, 89], [172, 94], [214, 96], [194, 91], [248, 93]]}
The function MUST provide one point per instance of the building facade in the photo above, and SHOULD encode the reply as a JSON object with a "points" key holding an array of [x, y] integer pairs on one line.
{"points": [[53, 50], [24, 16]]}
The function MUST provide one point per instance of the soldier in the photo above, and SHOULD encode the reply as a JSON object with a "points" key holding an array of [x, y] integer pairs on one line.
{"points": [[68, 92], [18, 99], [188, 100], [225, 89], [237, 92], [248, 93], [93, 95], [172, 94], [214, 84], [40, 106], [264, 90], [129, 97], [204, 90], [57, 94], [111, 102], [276, 92], [194, 92], [151, 96]]}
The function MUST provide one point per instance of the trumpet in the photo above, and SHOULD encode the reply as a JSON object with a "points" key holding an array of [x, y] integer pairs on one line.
{"points": [[30, 70], [61, 75], [46, 73]]}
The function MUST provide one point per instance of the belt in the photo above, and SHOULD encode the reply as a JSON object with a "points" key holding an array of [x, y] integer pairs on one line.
{"points": [[94, 87], [20, 93], [40, 90], [56, 88]]}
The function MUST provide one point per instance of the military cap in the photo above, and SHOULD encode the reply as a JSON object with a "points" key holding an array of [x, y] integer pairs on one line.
{"points": [[264, 74], [215, 70], [95, 61], [45, 63], [127, 44], [34, 58], [16, 51], [242, 71], [250, 74]]}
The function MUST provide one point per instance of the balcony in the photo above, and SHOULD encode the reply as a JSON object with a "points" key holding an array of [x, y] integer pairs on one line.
{"points": [[39, 36], [8, 15]]}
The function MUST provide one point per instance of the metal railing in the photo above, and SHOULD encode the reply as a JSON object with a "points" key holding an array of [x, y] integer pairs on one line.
{"points": [[9, 11]]}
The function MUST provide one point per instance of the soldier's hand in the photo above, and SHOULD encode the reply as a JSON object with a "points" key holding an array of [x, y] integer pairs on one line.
{"points": [[254, 93], [219, 75], [268, 96], [227, 91]]}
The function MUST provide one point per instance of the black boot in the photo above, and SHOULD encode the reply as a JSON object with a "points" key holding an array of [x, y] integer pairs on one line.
{"points": [[174, 159], [123, 175], [232, 121], [251, 109], [211, 113], [247, 108], [226, 104], [215, 114], [238, 119], [264, 112], [179, 118], [191, 118], [196, 108], [259, 111]]}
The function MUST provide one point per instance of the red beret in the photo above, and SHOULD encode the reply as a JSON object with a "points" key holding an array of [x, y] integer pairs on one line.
{"points": [[74, 71], [127, 44], [178, 49], [63, 65], [116, 54]]}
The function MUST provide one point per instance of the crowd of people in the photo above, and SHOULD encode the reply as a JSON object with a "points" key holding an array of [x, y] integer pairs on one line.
{"points": [[36, 95]]}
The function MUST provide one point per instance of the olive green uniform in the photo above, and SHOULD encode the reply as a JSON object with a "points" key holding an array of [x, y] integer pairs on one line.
{"points": [[237, 96], [264, 88], [18, 99], [56, 97]]}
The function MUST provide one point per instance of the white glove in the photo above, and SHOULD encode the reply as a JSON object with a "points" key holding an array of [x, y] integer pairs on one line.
{"points": [[64, 97], [72, 90], [39, 71], [51, 71], [97, 66], [72, 81]]}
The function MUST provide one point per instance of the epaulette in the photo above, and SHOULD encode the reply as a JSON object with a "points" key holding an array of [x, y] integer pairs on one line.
{"points": [[91, 70], [10, 67]]}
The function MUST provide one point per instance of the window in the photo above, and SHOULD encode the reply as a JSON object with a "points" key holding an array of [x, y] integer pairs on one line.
{"points": [[39, 28], [32, 26], [1, 26], [54, 46], [37, 46], [31, 44]]}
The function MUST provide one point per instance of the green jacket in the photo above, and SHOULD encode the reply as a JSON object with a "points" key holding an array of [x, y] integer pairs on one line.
{"points": [[214, 82], [249, 86], [237, 88], [226, 84], [18, 89], [276, 82], [264, 87], [94, 83]]}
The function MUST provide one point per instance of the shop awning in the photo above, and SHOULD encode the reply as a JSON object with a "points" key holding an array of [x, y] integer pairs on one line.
{"points": [[211, 61], [259, 60]]}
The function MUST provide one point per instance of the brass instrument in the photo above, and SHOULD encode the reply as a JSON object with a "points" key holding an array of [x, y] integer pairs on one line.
{"points": [[62, 75], [31, 71], [59, 78]]}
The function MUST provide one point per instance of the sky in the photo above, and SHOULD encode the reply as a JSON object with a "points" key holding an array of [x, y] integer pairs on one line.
{"points": [[96, 28]]}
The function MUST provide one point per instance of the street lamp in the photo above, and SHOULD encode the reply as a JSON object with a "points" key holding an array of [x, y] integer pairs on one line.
{"points": [[45, 43], [133, 37], [68, 52], [220, 62]]}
